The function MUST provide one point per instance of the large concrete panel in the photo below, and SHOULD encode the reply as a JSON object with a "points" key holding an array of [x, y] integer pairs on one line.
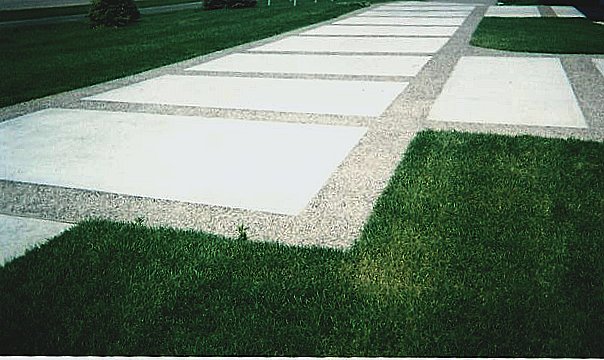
{"points": [[384, 30], [513, 11], [377, 65], [18, 234], [446, 13], [400, 21], [567, 11], [600, 65], [423, 3], [425, 7], [517, 91], [416, 13], [337, 97], [256, 165], [355, 44]]}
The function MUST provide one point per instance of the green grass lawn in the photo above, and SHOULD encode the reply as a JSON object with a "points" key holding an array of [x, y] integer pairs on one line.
{"points": [[540, 35], [36, 13], [481, 245], [43, 60]]}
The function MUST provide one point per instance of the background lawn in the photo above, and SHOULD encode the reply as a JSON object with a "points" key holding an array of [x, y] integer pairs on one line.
{"points": [[43, 60], [481, 245], [540, 35], [23, 14]]}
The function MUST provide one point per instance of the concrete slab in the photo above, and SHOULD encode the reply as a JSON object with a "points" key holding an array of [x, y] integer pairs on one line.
{"points": [[567, 11], [381, 65], [513, 11], [416, 13], [382, 30], [425, 7], [256, 165], [599, 64], [355, 44], [406, 21], [503, 90], [422, 3], [19, 234], [337, 97]]}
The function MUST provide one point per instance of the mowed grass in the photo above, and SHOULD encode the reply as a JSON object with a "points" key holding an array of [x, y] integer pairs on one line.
{"points": [[481, 245], [36, 13], [540, 35], [43, 60]]}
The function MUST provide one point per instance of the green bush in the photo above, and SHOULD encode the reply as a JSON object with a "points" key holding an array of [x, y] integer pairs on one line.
{"points": [[113, 13], [230, 4]]}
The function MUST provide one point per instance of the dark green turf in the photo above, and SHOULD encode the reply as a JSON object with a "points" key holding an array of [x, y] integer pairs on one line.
{"points": [[481, 245], [540, 35], [36, 13], [43, 60]]}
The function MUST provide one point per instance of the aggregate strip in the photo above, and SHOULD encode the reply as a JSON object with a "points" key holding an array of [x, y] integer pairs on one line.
{"points": [[335, 216], [298, 76], [546, 11]]}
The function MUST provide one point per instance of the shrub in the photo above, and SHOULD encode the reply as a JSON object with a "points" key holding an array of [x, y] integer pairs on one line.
{"points": [[231, 4], [237, 4], [113, 13]]}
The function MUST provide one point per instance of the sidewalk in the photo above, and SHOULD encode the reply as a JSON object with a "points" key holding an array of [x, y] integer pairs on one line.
{"points": [[295, 136]]}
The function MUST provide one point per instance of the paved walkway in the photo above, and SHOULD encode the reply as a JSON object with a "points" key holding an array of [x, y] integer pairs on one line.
{"points": [[295, 136]]}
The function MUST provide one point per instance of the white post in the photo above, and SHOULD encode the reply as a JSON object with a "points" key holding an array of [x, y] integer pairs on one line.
{"points": [[294, 2], [269, 3]]}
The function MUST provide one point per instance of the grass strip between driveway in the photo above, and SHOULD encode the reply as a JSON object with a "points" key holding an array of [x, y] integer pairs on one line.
{"points": [[47, 59], [540, 35], [481, 245]]}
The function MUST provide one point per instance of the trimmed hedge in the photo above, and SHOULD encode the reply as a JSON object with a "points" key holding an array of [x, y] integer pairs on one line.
{"points": [[229, 4], [113, 13]]}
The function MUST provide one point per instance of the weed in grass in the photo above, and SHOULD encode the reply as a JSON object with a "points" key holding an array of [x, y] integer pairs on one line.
{"points": [[242, 231]]}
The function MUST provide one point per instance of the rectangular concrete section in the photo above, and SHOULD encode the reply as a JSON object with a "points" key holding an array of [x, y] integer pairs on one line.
{"points": [[599, 65], [513, 11], [425, 7], [567, 11], [255, 165], [423, 3], [377, 30], [446, 13], [400, 21], [503, 90], [376, 65], [338, 44], [336, 97], [19, 234]]}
